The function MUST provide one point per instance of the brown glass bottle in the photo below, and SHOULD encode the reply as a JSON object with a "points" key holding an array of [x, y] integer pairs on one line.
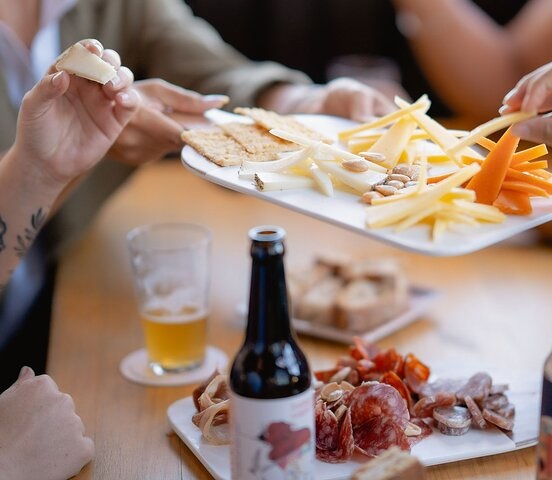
{"points": [[544, 447], [272, 402]]}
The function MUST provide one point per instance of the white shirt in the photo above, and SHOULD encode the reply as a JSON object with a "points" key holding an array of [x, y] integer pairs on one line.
{"points": [[22, 67]]}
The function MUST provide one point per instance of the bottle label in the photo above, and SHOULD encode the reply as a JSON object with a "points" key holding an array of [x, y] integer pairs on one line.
{"points": [[272, 439]]}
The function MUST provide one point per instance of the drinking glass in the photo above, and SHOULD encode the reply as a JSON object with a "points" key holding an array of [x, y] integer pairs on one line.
{"points": [[170, 263]]}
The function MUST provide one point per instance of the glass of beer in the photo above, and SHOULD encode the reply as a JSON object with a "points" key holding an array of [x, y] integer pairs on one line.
{"points": [[170, 263]]}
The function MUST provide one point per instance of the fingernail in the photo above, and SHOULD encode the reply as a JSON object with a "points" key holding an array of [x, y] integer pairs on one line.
{"points": [[25, 372], [502, 110], [125, 99], [56, 79], [509, 95], [520, 130], [115, 80], [216, 98]]}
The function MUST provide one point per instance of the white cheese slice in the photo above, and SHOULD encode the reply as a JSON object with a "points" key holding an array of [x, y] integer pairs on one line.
{"points": [[80, 61]]}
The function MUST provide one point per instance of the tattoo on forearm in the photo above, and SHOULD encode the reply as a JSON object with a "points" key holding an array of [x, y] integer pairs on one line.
{"points": [[24, 241], [3, 230]]}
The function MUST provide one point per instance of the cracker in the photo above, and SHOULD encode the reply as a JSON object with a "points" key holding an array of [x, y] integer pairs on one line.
{"points": [[270, 120], [215, 145], [257, 141]]}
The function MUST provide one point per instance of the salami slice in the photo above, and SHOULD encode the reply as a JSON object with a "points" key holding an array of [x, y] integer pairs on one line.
{"points": [[327, 428], [424, 407], [452, 420], [507, 411], [449, 385], [377, 435], [373, 399], [498, 420], [345, 443], [426, 431], [477, 387], [495, 402], [475, 411]]}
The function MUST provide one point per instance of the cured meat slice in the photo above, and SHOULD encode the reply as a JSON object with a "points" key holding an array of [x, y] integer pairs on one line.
{"points": [[377, 435], [499, 388], [389, 360], [416, 373], [494, 402], [507, 411], [345, 443], [425, 431], [477, 387], [452, 420], [327, 428], [498, 420], [391, 378], [449, 385], [424, 407], [373, 399], [475, 412]]}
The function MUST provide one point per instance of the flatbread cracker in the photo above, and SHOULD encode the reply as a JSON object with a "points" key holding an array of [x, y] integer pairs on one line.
{"points": [[270, 120], [215, 145], [257, 141]]}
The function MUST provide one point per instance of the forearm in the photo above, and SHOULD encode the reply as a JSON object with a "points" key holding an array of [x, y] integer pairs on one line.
{"points": [[469, 59], [25, 202]]}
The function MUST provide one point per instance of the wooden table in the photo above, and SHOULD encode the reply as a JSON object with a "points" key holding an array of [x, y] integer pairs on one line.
{"points": [[494, 310]]}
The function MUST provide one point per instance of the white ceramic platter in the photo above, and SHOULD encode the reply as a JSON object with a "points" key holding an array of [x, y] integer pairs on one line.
{"points": [[345, 210], [433, 450]]}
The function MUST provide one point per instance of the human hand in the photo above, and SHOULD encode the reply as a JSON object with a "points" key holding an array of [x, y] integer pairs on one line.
{"points": [[41, 436], [533, 93], [344, 97], [66, 124], [155, 129]]}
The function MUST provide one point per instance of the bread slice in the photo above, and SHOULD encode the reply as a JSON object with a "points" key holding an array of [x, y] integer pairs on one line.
{"points": [[393, 464], [318, 302], [80, 61], [362, 305]]}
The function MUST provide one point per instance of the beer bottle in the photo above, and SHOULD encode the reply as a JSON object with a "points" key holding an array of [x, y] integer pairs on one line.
{"points": [[544, 447], [271, 400]]}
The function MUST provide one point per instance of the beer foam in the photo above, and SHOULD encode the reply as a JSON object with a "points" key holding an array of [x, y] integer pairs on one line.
{"points": [[186, 313]]}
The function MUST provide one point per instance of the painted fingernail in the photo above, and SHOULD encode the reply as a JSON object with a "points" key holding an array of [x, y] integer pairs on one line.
{"points": [[115, 80], [216, 98], [56, 79]]}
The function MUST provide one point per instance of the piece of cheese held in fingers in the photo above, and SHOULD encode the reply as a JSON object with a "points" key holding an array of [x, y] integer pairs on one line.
{"points": [[80, 61]]}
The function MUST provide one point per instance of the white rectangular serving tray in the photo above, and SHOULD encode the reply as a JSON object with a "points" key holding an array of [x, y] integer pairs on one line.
{"points": [[419, 302], [434, 450], [345, 210]]}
